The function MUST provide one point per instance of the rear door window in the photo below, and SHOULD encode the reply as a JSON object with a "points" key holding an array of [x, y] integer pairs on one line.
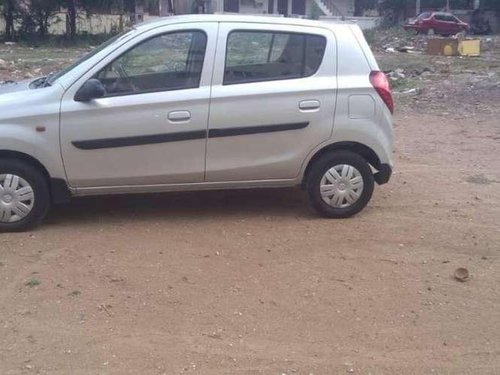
{"points": [[256, 56]]}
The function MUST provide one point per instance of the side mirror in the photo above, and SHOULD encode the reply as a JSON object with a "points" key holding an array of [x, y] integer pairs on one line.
{"points": [[92, 89]]}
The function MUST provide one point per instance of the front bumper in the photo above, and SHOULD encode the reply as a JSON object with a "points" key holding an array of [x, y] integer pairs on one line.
{"points": [[384, 174]]}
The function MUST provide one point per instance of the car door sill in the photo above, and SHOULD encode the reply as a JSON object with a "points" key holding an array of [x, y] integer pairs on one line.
{"points": [[138, 189]]}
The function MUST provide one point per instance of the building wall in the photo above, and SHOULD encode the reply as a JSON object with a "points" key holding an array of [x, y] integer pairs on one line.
{"points": [[95, 24], [344, 8], [254, 6]]}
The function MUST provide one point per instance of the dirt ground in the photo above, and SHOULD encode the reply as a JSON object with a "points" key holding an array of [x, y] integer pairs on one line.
{"points": [[253, 282]]}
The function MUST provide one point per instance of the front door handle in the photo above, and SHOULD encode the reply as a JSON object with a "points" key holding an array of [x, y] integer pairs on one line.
{"points": [[179, 116], [308, 105]]}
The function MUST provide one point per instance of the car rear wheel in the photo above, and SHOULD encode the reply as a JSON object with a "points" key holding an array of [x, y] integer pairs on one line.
{"points": [[24, 196], [340, 184]]}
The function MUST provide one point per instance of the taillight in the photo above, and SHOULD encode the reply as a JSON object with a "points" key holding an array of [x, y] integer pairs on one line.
{"points": [[381, 84]]}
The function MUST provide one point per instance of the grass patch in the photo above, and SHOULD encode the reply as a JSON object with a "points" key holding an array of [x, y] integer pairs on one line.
{"points": [[32, 282]]}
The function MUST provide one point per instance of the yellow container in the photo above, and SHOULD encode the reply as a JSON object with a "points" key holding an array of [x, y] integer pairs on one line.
{"points": [[469, 47]]}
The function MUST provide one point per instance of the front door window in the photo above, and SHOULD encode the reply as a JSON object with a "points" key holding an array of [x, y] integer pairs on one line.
{"points": [[166, 62]]}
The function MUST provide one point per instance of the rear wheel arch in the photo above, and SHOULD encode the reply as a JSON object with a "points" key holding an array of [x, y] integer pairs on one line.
{"points": [[358, 148]]}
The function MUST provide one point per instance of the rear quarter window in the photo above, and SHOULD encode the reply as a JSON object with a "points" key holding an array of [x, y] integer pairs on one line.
{"points": [[256, 56]]}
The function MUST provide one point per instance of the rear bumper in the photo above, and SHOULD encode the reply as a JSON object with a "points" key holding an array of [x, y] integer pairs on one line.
{"points": [[384, 174]]}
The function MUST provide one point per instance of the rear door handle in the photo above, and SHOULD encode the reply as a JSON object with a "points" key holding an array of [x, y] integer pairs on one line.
{"points": [[309, 105], [179, 116]]}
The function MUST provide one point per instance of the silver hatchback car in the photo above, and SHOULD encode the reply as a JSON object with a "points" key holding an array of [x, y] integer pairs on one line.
{"points": [[201, 102]]}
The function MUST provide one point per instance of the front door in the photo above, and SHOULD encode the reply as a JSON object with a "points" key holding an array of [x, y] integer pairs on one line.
{"points": [[150, 127], [273, 100]]}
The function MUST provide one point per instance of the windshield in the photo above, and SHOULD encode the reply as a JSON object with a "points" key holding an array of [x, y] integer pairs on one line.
{"points": [[424, 15], [53, 78]]}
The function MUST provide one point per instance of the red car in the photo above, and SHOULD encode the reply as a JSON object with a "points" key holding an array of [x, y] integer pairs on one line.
{"points": [[437, 23]]}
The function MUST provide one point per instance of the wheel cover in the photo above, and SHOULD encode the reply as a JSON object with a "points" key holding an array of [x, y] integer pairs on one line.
{"points": [[341, 186], [16, 198]]}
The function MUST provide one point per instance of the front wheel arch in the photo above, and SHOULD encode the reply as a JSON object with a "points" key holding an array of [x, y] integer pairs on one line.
{"points": [[59, 192]]}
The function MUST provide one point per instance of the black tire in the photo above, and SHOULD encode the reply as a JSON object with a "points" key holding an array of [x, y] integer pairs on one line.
{"points": [[318, 170], [39, 185]]}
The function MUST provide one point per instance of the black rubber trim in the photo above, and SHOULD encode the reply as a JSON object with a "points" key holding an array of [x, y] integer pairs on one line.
{"points": [[59, 191], [96, 144], [384, 174], [231, 132]]}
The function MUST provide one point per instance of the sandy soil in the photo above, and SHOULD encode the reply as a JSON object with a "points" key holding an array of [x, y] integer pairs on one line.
{"points": [[253, 282]]}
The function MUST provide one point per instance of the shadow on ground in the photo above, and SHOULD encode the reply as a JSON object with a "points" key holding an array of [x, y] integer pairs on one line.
{"points": [[186, 205]]}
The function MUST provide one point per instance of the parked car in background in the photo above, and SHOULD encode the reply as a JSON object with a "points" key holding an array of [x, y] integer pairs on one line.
{"points": [[202, 102], [437, 23]]}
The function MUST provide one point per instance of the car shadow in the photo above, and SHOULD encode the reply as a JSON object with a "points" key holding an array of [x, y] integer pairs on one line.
{"points": [[183, 205]]}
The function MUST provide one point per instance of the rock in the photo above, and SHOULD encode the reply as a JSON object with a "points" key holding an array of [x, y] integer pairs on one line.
{"points": [[462, 274], [408, 92]]}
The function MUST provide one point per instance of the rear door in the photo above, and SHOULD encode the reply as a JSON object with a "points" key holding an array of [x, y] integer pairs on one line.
{"points": [[447, 24], [439, 24], [273, 100]]}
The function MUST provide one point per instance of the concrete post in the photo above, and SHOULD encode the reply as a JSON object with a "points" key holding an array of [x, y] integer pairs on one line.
{"points": [[164, 8], [289, 8], [219, 6], [418, 8]]}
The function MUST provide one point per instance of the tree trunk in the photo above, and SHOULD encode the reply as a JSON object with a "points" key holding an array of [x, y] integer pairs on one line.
{"points": [[71, 31], [8, 14], [9, 26], [42, 25]]}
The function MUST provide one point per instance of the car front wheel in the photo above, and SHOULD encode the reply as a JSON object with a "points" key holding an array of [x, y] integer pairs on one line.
{"points": [[24, 196], [340, 184]]}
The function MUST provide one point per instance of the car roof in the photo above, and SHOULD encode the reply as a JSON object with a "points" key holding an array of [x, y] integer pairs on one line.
{"points": [[443, 14], [194, 18]]}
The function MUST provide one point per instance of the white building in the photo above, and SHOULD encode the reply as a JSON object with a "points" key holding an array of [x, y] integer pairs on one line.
{"points": [[306, 8]]}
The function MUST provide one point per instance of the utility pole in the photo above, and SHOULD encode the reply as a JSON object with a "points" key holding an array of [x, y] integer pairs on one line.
{"points": [[447, 5], [418, 7]]}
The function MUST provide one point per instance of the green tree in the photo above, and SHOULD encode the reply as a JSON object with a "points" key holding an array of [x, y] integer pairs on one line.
{"points": [[491, 4], [362, 5], [38, 16]]}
